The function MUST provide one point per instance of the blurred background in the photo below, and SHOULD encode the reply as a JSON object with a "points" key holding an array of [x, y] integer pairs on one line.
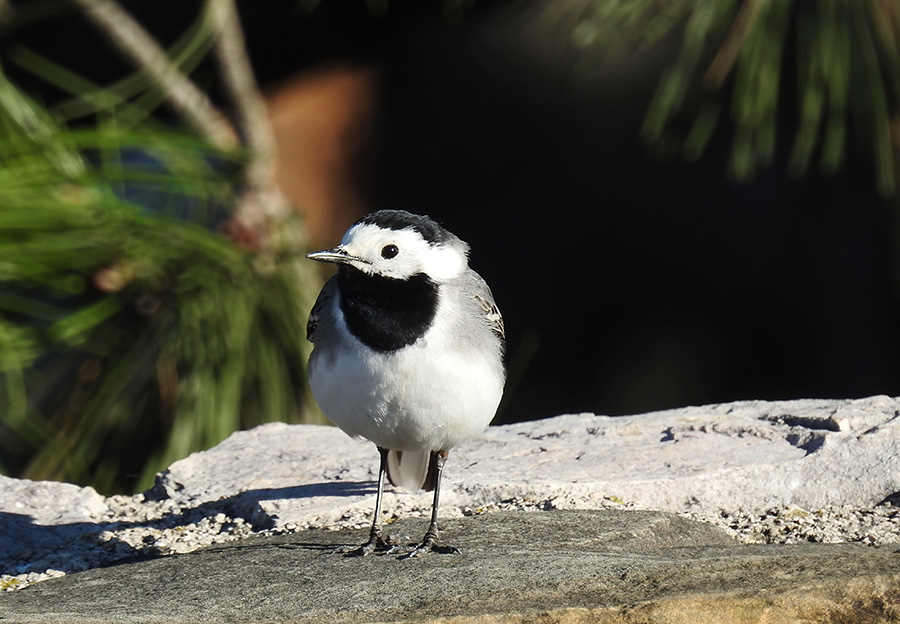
{"points": [[675, 202]]}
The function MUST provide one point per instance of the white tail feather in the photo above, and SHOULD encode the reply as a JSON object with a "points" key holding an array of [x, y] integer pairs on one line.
{"points": [[408, 469]]}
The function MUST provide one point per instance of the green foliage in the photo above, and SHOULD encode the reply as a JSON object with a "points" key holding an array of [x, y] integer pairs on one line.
{"points": [[733, 59], [131, 331]]}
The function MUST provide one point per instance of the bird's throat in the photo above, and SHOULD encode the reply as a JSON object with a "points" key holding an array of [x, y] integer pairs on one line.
{"points": [[383, 313]]}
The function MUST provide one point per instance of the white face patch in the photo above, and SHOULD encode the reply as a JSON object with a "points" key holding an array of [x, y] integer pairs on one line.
{"points": [[401, 254]]}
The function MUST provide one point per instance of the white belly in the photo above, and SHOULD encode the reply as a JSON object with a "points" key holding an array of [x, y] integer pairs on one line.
{"points": [[402, 401]]}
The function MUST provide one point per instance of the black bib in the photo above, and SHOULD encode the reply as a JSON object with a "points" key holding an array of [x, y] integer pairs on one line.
{"points": [[383, 313]]}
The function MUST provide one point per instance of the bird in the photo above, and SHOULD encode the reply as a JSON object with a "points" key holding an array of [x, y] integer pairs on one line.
{"points": [[408, 352]]}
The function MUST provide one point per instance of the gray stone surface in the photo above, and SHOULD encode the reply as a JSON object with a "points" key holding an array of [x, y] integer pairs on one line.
{"points": [[780, 472], [557, 566], [747, 456]]}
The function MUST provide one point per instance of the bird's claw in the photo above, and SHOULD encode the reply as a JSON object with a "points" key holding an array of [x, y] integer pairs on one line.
{"points": [[375, 544], [429, 544], [387, 546], [424, 548]]}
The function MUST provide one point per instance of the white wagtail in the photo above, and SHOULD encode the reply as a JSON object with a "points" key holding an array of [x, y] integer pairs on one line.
{"points": [[408, 351]]}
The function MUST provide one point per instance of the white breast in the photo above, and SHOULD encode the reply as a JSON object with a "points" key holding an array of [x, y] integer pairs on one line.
{"points": [[431, 395]]}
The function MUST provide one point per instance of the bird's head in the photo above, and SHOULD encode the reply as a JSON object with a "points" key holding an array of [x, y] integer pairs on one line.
{"points": [[398, 245]]}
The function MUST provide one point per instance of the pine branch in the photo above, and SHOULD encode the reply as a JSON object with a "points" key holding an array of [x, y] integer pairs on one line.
{"points": [[153, 336], [136, 44], [844, 55]]}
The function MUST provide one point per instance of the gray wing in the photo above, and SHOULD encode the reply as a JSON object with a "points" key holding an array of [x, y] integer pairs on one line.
{"points": [[477, 297], [491, 312], [329, 291]]}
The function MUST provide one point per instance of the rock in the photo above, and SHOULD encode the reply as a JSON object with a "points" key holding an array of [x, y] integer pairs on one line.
{"points": [[769, 472], [50, 503], [37, 518], [744, 457], [556, 566]]}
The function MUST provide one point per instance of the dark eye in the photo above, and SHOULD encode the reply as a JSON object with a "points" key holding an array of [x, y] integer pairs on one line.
{"points": [[389, 251]]}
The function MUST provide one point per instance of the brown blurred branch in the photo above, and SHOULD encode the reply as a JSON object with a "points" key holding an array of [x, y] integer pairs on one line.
{"points": [[263, 201], [230, 50], [728, 54], [6, 11], [184, 96]]}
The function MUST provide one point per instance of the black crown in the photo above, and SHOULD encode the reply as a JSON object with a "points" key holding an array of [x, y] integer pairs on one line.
{"points": [[427, 227]]}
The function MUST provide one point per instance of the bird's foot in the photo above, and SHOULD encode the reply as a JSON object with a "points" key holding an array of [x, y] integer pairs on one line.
{"points": [[424, 547], [376, 543], [429, 544]]}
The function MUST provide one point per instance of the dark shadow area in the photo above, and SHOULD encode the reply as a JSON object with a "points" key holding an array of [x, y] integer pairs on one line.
{"points": [[23, 541], [29, 547], [629, 281], [246, 504], [26, 546]]}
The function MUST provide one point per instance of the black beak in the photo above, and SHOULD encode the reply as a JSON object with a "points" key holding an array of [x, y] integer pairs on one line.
{"points": [[338, 255]]}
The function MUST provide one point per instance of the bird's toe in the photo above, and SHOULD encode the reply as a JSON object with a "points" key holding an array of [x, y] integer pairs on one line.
{"points": [[377, 544], [430, 546]]}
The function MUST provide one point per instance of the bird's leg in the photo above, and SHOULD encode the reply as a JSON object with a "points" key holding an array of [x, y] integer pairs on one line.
{"points": [[376, 541], [429, 542]]}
